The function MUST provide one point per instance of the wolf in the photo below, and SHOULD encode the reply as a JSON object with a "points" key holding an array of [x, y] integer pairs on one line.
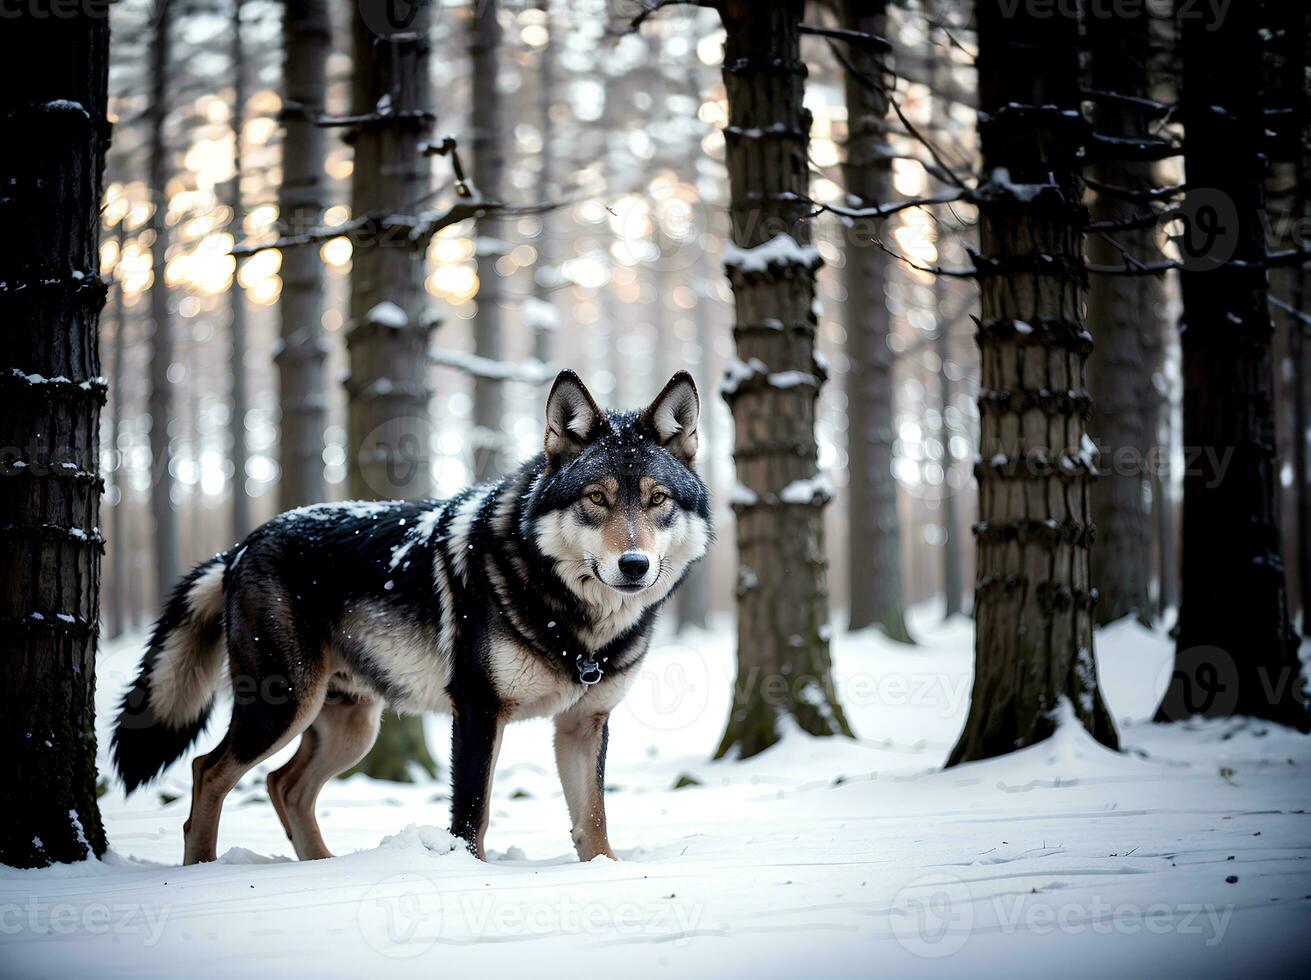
{"points": [[531, 597]]}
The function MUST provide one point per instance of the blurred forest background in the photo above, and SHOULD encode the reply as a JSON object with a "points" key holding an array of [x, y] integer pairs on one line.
{"points": [[622, 281], [608, 146]]}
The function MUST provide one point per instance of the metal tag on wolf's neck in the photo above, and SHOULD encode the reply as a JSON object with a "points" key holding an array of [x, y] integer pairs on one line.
{"points": [[589, 671]]}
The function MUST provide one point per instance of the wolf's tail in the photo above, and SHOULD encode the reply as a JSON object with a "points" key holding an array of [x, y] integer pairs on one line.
{"points": [[168, 704]]}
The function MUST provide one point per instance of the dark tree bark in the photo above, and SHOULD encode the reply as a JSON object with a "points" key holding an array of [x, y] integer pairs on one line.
{"points": [[953, 588], [1288, 117], [874, 553], [53, 137], [543, 319], [160, 397], [116, 521], [307, 36], [1124, 318], [1033, 636], [783, 667], [1236, 651], [387, 342], [237, 295], [1163, 512], [488, 177]]}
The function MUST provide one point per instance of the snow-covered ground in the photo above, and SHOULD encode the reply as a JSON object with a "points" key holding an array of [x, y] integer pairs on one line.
{"points": [[1187, 854]]}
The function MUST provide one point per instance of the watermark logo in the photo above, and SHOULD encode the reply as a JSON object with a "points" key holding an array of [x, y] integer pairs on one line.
{"points": [[671, 690], [1200, 680], [932, 916], [1208, 229], [400, 917]]}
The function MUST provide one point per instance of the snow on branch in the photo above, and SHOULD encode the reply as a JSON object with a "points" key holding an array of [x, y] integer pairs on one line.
{"points": [[539, 315], [529, 371], [892, 207]]}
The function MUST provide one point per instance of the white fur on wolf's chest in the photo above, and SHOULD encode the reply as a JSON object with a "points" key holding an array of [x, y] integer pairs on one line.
{"points": [[416, 663], [530, 688]]}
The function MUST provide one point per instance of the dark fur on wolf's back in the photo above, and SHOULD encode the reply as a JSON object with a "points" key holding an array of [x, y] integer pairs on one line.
{"points": [[340, 605]]}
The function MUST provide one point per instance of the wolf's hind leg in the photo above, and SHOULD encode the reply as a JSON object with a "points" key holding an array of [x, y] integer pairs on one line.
{"points": [[339, 737], [279, 779], [259, 728], [580, 742]]}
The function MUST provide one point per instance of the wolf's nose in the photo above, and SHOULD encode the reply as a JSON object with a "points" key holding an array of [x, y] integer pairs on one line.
{"points": [[633, 564]]}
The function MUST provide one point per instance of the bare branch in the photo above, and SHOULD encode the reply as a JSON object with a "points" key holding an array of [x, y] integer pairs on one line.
{"points": [[878, 85], [933, 270], [842, 34]]}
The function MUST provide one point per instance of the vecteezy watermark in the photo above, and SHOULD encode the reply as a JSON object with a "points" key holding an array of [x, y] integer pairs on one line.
{"points": [[1036, 915], [935, 915], [474, 915], [38, 917], [53, 9], [1213, 11], [405, 915]]}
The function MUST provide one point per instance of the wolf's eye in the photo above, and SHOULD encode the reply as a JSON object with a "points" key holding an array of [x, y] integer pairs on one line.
{"points": [[658, 498], [597, 497]]}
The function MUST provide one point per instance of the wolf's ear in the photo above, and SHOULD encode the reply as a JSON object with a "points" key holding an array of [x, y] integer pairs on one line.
{"points": [[673, 416], [571, 414]]}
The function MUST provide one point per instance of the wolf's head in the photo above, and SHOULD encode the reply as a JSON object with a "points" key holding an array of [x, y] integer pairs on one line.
{"points": [[619, 507]]}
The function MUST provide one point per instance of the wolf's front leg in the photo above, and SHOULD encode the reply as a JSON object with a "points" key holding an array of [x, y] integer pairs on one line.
{"points": [[580, 740], [476, 742]]}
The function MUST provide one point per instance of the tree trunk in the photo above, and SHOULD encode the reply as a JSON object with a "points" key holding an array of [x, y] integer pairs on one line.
{"points": [[1288, 114], [1033, 656], [307, 35], [488, 170], [237, 295], [1167, 590], [783, 653], [53, 127], [1123, 311], [387, 388], [117, 516], [952, 587], [875, 545], [1236, 651], [160, 398], [543, 321]]}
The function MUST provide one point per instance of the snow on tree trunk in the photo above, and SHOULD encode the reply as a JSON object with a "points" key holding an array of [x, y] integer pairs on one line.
{"points": [[53, 125], [1236, 650], [488, 170], [1033, 633], [160, 398], [1122, 312], [237, 295], [302, 351], [874, 553], [387, 389], [784, 669]]}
